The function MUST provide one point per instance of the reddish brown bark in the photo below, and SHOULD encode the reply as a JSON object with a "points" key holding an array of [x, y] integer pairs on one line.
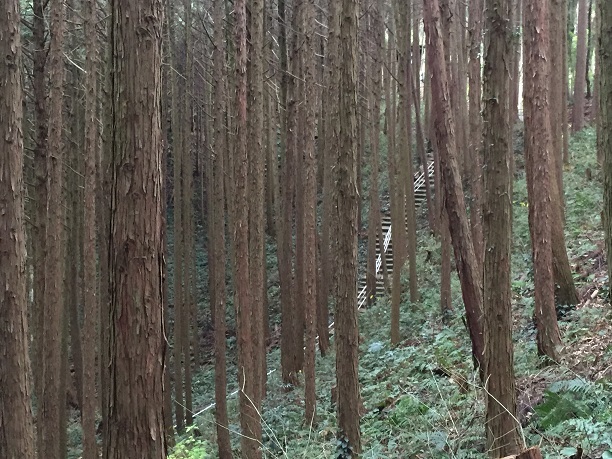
{"points": [[53, 307], [16, 431], [135, 425], [580, 75], [91, 317], [604, 138], [465, 259], [256, 192], [345, 197], [538, 166], [475, 125], [500, 424], [217, 230], [375, 233], [250, 421], [310, 217]]}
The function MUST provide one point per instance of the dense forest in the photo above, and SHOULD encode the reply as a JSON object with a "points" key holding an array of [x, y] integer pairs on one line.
{"points": [[305, 229]]}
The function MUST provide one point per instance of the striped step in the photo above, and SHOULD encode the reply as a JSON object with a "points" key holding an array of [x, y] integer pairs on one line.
{"points": [[386, 245]]}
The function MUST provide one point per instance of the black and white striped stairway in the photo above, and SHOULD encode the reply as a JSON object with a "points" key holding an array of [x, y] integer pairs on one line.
{"points": [[386, 247]]}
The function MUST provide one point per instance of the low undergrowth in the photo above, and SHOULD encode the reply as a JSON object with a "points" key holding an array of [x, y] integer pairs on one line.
{"points": [[423, 399]]}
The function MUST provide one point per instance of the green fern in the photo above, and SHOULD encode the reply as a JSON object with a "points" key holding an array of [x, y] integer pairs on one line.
{"points": [[576, 385], [559, 407]]}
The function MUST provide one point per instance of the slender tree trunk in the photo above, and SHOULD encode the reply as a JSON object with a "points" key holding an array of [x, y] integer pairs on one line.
{"points": [[297, 134], [188, 339], [500, 424], [328, 223], [515, 58], [257, 263], [54, 305], [579, 79], [557, 117], [398, 226], [91, 316], [375, 233], [40, 173], [566, 75], [310, 218], [538, 166], [475, 125], [168, 368], [103, 208], [178, 234], [249, 417], [604, 137], [467, 266], [135, 426], [284, 250], [596, 71], [407, 156], [16, 430], [345, 198], [589, 51], [216, 246]]}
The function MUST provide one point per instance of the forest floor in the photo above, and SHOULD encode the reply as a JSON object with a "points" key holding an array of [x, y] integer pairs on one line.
{"points": [[423, 399]]}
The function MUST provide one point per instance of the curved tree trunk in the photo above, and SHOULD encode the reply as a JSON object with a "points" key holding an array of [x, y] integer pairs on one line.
{"points": [[467, 265]]}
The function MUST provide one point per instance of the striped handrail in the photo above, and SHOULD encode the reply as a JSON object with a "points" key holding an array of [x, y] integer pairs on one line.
{"points": [[419, 181], [361, 295]]}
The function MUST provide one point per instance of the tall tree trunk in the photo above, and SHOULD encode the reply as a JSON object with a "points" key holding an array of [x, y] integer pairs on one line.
{"points": [[467, 265], [579, 78], [285, 250], [589, 52], [135, 426], [178, 234], [216, 246], [257, 262], [515, 58], [557, 117], [405, 75], [16, 429], [40, 173], [538, 167], [328, 223], [500, 424], [398, 222], [103, 208], [297, 136], [566, 293], [310, 217], [604, 138], [375, 233], [475, 125], [91, 316], [596, 71], [250, 421], [168, 368], [345, 199], [54, 304], [189, 344]]}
